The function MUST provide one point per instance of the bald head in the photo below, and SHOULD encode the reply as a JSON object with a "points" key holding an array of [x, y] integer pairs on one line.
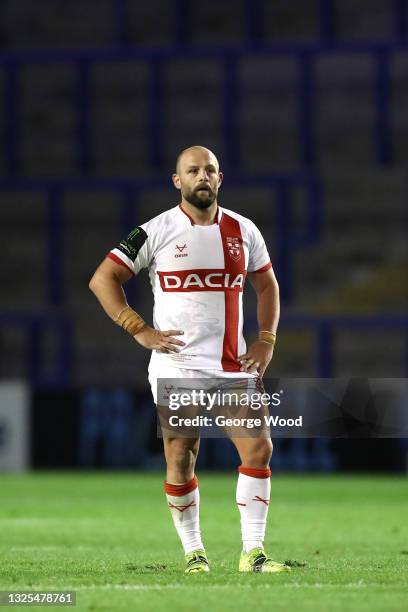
{"points": [[198, 176], [191, 154]]}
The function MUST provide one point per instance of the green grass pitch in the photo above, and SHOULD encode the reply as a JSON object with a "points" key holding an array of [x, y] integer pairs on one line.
{"points": [[109, 537]]}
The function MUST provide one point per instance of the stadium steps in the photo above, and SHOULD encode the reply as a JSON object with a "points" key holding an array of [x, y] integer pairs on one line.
{"points": [[56, 24], [106, 353], [22, 236], [119, 119], [374, 353], [268, 120], [91, 222], [399, 105], [371, 353], [344, 111], [60, 24], [384, 289], [363, 227], [344, 119], [364, 20], [47, 120], [91, 225], [193, 93], [193, 112]]}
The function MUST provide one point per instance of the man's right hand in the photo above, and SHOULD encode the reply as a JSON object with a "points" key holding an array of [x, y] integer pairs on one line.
{"points": [[160, 340]]}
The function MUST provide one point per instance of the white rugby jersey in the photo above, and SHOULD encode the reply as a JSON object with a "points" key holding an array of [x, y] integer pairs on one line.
{"points": [[197, 273]]}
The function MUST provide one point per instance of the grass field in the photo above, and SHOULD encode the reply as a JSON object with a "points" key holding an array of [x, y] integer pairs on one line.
{"points": [[109, 537]]}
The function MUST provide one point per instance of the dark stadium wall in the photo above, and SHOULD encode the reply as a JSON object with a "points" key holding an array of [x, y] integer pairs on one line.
{"points": [[113, 428]]}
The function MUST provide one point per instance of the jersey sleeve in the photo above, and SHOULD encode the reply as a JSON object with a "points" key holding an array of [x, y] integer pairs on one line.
{"points": [[133, 251], [259, 260]]}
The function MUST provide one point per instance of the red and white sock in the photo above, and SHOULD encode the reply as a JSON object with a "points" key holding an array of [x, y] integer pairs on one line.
{"points": [[184, 504], [253, 493]]}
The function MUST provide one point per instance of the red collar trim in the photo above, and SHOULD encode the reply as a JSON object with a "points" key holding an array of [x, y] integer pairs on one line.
{"points": [[187, 215], [192, 220]]}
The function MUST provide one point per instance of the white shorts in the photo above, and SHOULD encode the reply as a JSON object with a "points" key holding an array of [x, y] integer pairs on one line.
{"points": [[164, 372]]}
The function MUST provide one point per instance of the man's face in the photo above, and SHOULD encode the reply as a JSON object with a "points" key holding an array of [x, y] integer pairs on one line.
{"points": [[198, 177]]}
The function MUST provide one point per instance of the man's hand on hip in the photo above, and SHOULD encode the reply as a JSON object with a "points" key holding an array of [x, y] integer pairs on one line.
{"points": [[160, 340], [257, 357]]}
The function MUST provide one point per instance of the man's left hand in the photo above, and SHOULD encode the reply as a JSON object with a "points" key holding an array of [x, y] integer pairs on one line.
{"points": [[257, 358]]}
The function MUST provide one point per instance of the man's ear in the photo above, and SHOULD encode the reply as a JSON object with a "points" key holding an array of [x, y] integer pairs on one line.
{"points": [[220, 178], [176, 181]]}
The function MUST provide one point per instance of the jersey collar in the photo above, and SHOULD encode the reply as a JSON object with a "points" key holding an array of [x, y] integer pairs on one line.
{"points": [[217, 216]]}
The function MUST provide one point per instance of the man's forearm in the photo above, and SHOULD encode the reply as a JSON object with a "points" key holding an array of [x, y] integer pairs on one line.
{"points": [[110, 294], [268, 309], [106, 284]]}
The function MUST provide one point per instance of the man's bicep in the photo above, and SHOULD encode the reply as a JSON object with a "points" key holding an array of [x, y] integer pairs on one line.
{"points": [[262, 280], [114, 269]]}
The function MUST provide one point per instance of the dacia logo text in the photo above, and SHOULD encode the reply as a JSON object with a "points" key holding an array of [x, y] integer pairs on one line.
{"points": [[201, 280]]}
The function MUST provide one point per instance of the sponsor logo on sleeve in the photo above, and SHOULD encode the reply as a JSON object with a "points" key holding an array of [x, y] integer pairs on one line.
{"points": [[133, 242]]}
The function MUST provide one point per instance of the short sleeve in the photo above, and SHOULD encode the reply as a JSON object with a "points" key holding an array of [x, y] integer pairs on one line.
{"points": [[259, 260], [133, 251]]}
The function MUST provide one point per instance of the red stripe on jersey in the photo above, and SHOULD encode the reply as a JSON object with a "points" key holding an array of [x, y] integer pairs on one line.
{"points": [[234, 263], [229, 359], [264, 268], [119, 261], [211, 279]]}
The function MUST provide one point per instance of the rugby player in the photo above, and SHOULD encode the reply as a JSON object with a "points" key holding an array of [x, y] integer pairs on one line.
{"points": [[198, 255]]}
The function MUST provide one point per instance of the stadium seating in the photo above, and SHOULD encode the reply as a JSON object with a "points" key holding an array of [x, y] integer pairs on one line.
{"points": [[71, 113]]}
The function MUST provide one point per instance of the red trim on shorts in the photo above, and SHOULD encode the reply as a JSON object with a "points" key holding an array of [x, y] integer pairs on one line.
{"points": [[118, 260], [181, 489], [234, 263], [255, 472], [264, 268]]}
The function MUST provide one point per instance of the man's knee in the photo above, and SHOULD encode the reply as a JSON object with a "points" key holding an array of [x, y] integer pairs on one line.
{"points": [[180, 455], [259, 453]]}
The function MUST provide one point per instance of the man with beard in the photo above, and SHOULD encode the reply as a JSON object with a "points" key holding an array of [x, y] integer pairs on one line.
{"points": [[198, 255]]}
